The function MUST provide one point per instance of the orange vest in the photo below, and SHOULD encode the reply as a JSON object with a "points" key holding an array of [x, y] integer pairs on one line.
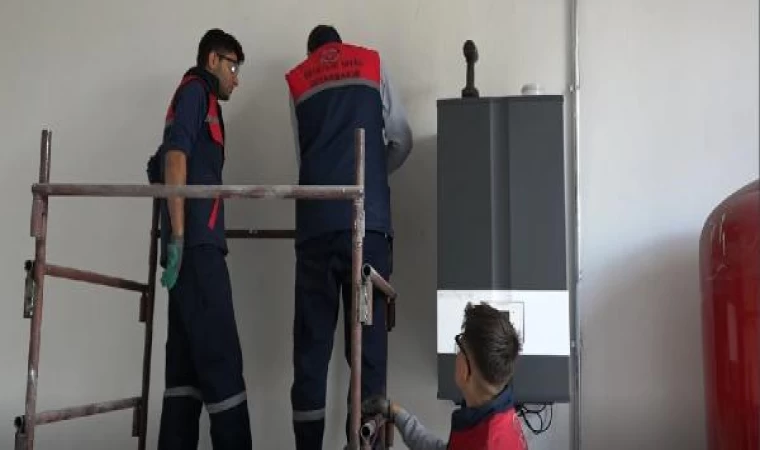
{"points": [[214, 128], [334, 65]]}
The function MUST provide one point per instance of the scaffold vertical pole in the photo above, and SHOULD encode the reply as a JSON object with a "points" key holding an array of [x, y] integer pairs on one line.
{"points": [[147, 307], [356, 282], [39, 233]]}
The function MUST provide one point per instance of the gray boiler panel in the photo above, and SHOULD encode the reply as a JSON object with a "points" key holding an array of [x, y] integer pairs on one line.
{"points": [[501, 216]]}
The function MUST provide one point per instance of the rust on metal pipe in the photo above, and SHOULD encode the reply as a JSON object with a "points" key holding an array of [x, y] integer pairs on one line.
{"points": [[86, 276], [356, 279], [150, 301], [39, 222], [199, 191], [259, 234], [368, 303], [74, 412]]}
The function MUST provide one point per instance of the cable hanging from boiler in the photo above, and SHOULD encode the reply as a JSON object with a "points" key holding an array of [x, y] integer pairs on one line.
{"points": [[544, 412]]}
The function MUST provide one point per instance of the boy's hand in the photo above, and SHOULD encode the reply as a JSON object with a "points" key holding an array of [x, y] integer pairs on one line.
{"points": [[377, 405]]}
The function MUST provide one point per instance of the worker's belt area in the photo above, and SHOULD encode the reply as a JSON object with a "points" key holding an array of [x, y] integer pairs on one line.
{"points": [[212, 408]]}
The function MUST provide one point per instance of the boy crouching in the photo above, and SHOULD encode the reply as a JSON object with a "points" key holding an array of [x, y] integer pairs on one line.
{"points": [[487, 350]]}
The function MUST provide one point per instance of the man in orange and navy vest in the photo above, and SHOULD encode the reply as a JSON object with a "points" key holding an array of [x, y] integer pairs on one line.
{"points": [[339, 87], [203, 355]]}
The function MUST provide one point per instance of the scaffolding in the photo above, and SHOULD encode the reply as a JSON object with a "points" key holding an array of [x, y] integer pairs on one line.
{"points": [[364, 431]]}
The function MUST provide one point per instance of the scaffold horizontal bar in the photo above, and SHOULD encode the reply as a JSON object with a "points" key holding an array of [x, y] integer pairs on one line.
{"points": [[74, 412], [199, 191], [94, 278]]}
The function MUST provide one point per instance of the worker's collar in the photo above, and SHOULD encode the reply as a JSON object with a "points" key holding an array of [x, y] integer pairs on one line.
{"points": [[467, 417], [211, 80]]}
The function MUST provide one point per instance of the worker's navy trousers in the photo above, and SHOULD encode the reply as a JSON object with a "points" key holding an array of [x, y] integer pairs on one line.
{"points": [[203, 358], [323, 271]]}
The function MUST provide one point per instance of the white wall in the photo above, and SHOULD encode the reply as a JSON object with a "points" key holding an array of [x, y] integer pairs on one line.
{"points": [[651, 171], [670, 127]]}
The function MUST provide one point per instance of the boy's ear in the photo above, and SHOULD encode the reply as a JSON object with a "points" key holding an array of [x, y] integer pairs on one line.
{"points": [[464, 369], [467, 372], [459, 369]]}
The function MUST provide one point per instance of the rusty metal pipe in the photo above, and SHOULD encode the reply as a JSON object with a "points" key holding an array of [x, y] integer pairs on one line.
{"points": [[259, 234], [39, 226], [373, 430], [369, 273], [142, 426], [378, 281], [70, 273], [369, 428], [356, 280], [74, 412], [199, 191]]}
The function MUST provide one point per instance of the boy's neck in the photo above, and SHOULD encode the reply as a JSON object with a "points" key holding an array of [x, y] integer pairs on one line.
{"points": [[479, 396]]}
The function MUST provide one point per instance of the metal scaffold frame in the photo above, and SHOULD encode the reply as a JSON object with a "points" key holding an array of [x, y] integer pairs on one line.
{"points": [[363, 431]]}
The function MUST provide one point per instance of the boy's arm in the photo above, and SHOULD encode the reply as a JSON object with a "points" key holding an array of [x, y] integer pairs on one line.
{"points": [[413, 433]]}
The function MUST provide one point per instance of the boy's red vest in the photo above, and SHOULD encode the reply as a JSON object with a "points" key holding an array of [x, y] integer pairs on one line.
{"points": [[493, 426], [500, 431]]}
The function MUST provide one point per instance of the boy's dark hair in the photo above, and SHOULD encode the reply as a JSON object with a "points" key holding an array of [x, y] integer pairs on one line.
{"points": [[216, 40], [492, 342], [321, 35]]}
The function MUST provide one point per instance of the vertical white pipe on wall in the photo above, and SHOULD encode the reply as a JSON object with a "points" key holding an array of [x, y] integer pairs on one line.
{"points": [[575, 227]]}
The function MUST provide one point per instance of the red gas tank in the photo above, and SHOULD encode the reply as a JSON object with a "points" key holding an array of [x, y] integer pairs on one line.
{"points": [[730, 284]]}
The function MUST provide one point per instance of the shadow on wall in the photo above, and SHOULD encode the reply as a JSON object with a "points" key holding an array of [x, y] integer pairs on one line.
{"points": [[643, 327]]}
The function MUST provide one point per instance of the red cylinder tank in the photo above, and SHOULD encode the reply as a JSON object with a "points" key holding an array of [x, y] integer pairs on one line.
{"points": [[730, 284]]}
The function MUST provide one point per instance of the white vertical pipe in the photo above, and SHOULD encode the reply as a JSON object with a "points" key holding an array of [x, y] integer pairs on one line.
{"points": [[575, 226]]}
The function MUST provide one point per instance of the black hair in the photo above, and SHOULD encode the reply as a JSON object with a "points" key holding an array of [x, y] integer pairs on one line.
{"points": [[492, 342], [216, 40], [321, 35]]}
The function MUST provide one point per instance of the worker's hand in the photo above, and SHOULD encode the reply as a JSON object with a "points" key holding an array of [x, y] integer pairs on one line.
{"points": [[377, 405], [173, 262]]}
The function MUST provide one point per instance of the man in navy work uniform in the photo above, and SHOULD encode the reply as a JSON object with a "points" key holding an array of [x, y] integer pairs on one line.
{"points": [[203, 354], [336, 89]]}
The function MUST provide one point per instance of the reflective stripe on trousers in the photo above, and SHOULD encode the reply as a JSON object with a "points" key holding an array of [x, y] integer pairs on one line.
{"points": [[308, 416], [212, 408]]}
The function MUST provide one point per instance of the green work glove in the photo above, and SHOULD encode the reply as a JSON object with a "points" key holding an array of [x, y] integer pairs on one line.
{"points": [[377, 405], [173, 262]]}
